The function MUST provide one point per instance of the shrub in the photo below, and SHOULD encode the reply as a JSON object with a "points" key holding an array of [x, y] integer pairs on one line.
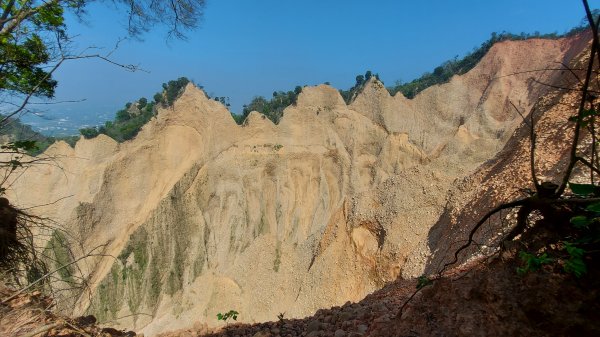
{"points": [[446, 70], [230, 314]]}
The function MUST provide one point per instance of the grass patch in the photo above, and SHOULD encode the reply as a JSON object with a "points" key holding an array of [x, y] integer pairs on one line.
{"points": [[277, 261], [58, 246]]}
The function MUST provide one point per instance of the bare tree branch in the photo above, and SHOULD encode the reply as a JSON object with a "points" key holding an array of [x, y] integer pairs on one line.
{"points": [[30, 285], [584, 97]]}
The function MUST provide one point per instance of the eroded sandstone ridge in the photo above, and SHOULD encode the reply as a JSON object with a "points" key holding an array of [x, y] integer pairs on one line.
{"points": [[204, 215]]}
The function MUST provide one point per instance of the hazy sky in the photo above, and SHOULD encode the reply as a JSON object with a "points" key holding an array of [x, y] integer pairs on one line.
{"points": [[246, 48]]}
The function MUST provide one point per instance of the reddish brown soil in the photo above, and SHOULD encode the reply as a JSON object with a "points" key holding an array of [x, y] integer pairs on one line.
{"points": [[484, 298]]}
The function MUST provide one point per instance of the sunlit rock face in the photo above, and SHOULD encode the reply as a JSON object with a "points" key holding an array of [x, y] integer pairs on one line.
{"points": [[203, 215]]}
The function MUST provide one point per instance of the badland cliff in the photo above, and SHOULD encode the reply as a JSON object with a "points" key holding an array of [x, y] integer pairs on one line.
{"points": [[201, 215]]}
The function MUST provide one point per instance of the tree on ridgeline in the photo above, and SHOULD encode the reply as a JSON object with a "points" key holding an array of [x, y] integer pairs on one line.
{"points": [[273, 108]]}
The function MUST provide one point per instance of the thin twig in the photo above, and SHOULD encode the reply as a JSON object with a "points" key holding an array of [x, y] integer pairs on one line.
{"points": [[83, 333], [532, 138], [586, 83], [50, 273], [474, 230], [42, 329]]}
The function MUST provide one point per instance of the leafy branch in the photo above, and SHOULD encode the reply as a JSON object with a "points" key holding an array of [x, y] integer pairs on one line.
{"points": [[225, 316]]}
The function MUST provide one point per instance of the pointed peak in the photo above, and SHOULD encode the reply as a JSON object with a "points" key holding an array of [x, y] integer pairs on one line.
{"points": [[256, 118], [191, 90], [59, 148], [373, 85], [320, 96]]}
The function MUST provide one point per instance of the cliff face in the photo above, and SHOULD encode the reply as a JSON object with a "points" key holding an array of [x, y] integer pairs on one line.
{"points": [[507, 176], [204, 215]]}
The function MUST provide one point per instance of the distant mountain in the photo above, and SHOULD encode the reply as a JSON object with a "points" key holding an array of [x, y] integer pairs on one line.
{"points": [[15, 130]]}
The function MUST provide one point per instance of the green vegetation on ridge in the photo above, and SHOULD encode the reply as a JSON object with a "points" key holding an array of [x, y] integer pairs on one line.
{"points": [[444, 72], [361, 80], [129, 120], [273, 108]]}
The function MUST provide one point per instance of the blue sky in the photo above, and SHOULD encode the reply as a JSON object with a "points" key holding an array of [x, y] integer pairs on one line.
{"points": [[247, 48]]}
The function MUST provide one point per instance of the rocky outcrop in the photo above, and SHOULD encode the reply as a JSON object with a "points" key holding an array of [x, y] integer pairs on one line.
{"points": [[507, 176], [204, 215]]}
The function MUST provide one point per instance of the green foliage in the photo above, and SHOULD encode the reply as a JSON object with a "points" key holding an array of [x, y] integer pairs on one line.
{"points": [[129, 121], [172, 90], [584, 23], [587, 116], [58, 247], [19, 146], [158, 98], [583, 237], [142, 103], [446, 70], [155, 286], [138, 245], [239, 119], [532, 262], [122, 116], [230, 314], [595, 207], [580, 221], [223, 100], [110, 295], [89, 133], [423, 281], [584, 189], [133, 281], [273, 108], [590, 217], [24, 53], [575, 263], [33, 39], [127, 125], [361, 80], [587, 226]]}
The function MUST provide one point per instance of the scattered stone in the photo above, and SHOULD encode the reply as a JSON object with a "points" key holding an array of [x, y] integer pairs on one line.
{"points": [[262, 334], [339, 333], [345, 316], [362, 328], [313, 326]]}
